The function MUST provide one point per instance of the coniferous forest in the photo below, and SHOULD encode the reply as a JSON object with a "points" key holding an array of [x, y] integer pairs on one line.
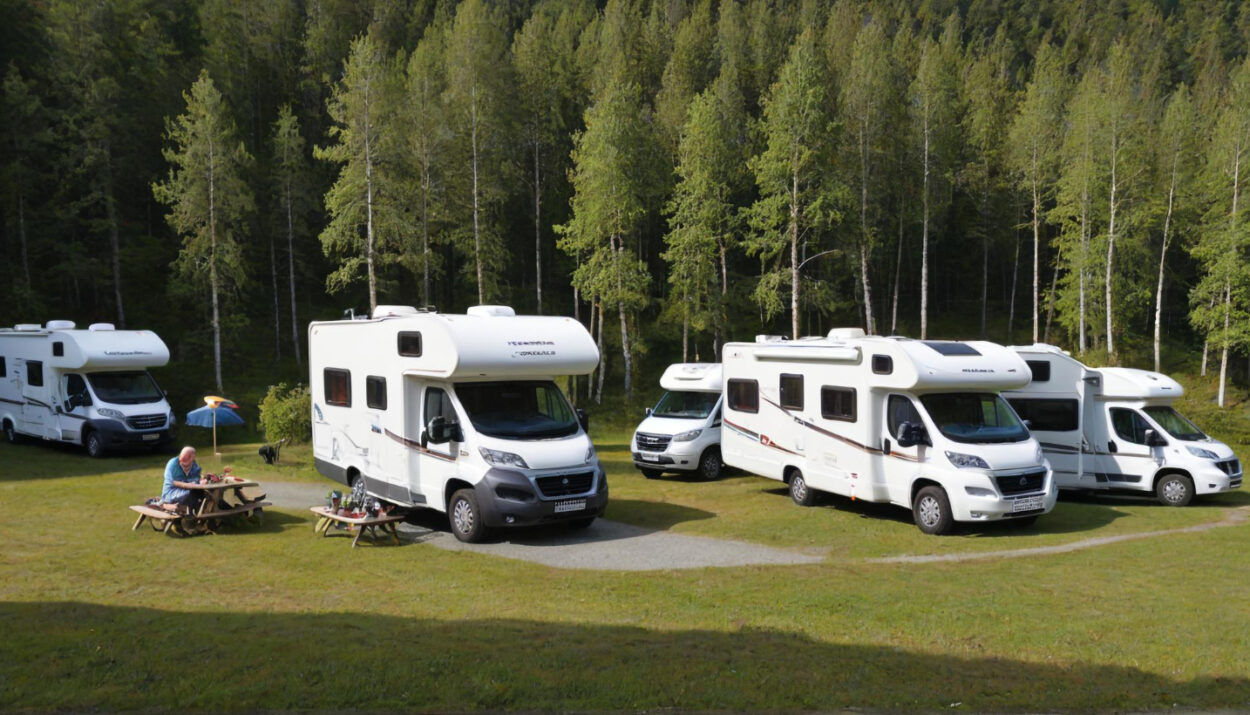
{"points": [[673, 173]]}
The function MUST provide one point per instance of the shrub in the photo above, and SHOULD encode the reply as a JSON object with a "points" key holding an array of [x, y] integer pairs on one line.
{"points": [[286, 412]]}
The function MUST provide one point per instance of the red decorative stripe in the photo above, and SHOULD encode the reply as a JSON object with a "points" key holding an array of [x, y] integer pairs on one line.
{"points": [[412, 444]]}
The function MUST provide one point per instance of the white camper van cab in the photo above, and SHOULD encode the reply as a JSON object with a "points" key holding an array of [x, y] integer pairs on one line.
{"points": [[1114, 428], [682, 432], [915, 423], [457, 413], [86, 387]]}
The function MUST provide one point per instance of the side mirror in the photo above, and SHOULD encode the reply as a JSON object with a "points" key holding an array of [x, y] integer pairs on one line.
{"points": [[1028, 425], [648, 411], [583, 418], [906, 435], [1154, 440], [436, 431]]}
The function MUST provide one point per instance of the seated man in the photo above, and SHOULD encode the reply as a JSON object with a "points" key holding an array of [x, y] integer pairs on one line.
{"points": [[182, 473]]}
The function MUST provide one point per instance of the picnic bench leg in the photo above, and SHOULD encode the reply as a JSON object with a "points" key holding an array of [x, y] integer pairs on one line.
{"points": [[138, 521], [359, 533], [394, 532]]}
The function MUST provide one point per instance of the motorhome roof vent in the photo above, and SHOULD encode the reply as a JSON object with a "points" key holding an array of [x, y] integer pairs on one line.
{"points": [[393, 311], [845, 333], [99, 327], [771, 338], [61, 325], [27, 327], [491, 311]]}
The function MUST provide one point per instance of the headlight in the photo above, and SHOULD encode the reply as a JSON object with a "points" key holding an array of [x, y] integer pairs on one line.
{"points": [[1038, 457], [966, 461], [1201, 453], [173, 419], [687, 436], [590, 454], [502, 459], [110, 412]]}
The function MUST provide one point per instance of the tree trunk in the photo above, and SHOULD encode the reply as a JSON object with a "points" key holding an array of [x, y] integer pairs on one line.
{"points": [[477, 235], [1037, 246], [1228, 300], [538, 242], [373, 283], [1163, 252], [1050, 299], [212, 264], [425, 232], [277, 304], [1081, 261], [1011, 304], [603, 358], [794, 251], [864, 247], [1110, 252], [924, 241], [110, 208], [21, 235], [290, 254], [685, 338]]}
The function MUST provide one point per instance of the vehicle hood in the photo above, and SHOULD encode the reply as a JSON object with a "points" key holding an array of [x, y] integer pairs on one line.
{"points": [[1008, 455], [540, 453], [669, 425]]}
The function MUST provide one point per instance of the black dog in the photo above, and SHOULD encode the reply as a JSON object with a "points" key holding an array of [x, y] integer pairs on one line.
{"points": [[269, 453]]}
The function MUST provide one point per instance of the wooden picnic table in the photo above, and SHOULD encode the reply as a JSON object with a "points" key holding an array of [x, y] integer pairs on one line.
{"points": [[362, 524], [208, 511]]}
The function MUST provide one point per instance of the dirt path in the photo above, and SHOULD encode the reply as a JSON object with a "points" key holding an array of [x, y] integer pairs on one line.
{"points": [[1234, 517]]}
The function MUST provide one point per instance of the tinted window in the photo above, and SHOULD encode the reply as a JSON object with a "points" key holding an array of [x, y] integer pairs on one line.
{"points": [[1175, 423], [410, 344], [338, 385], [75, 385], [1129, 425], [4, 372], [791, 389], [34, 373], [744, 395], [125, 388], [1048, 415], [1040, 370], [58, 349], [977, 418], [837, 403], [375, 392], [686, 405], [882, 364], [517, 410], [438, 404], [900, 410]]}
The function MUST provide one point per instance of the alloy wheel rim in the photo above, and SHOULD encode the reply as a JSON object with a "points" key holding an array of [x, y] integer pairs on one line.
{"points": [[799, 487], [1173, 491], [930, 512], [463, 514]]}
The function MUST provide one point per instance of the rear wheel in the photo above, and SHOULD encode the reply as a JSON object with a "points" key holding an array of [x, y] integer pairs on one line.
{"points": [[802, 494], [94, 444], [710, 464], [465, 518], [1175, 490], [10, 434], [932, 511]]}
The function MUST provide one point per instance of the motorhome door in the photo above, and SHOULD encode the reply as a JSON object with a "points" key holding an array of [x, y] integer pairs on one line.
{"points": [[36, 402], [437, 462], [74, 402], [1128, 458], [899, 463]]}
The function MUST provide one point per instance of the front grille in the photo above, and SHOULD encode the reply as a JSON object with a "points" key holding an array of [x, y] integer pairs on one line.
{"points": [[562, 485], [652, 442], [1021, 483], [1229, 467], [146, 421]]}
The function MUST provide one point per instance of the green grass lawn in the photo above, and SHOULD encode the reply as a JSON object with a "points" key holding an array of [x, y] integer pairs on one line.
{"points": [[94, 615]]}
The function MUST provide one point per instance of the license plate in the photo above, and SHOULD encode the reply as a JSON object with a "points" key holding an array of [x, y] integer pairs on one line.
{"points": [[570, 505], [649, 457], [1028, 503], [151, 436]]}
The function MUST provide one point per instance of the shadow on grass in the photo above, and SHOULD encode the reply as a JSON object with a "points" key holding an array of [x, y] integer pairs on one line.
{"points": [[1208, 501], [75, 656], [653, 515], [54, 460]]}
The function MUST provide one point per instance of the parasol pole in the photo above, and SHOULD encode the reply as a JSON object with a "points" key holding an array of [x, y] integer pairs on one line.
{"points": [[215, 452]]}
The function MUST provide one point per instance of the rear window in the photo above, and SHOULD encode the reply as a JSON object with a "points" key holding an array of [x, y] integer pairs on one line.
{"points": [[791, 389], [410, 344], [375, 392], [744, 395], [838, 403], [338, 384], [1040, 370], [34, 373]]}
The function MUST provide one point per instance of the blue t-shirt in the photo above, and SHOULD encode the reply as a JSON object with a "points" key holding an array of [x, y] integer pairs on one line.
{"points": [[174, 473]]}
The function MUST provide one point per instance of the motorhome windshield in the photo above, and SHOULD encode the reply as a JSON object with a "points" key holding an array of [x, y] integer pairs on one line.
{"points": [[517, 410], [686, 405], [1175, 423], [125, 388], [975, 417]]}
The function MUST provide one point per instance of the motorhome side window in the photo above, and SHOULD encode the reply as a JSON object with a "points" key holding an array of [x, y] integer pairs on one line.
{"points": [[338, 387], [838, 403], [34, 373], [410, 344], [1049, 415], [76, 386], [58, 349], [4, 371], [375, 392], [744, 396], [1129, 426], [791, 389], [900, 410], [882, 364], [1040, 370]]}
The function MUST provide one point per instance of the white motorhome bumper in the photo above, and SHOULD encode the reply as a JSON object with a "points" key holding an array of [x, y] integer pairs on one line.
{"points": [[119, 434], [1005, 496], [509, 497], [1221, 476], [656, 451]]}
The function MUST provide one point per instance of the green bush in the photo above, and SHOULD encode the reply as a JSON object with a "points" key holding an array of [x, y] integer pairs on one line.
{"points": [[286, 413]]}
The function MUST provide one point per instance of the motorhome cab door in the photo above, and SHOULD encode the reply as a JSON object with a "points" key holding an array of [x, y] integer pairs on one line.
{"points": [[36, 402], [75, 399], [437, 462], [899, 462], [1128, 457]]}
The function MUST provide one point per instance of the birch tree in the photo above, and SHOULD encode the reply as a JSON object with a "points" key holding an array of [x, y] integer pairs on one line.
{"points": [[208, 199], [1176, 155]]}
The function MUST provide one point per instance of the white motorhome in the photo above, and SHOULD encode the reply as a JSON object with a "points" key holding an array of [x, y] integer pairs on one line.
{"points": [[914, 423], [682, 432], [457, 413], [87, 387], [1114, 428]]}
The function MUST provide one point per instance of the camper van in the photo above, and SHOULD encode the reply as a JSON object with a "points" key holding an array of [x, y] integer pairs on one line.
{"points": [[85, 387], [914, 423], [682, 432], [457, 413], [1114, 428]]}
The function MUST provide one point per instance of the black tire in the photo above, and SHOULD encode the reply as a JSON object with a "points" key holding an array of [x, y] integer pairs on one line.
{"points": [[359, 493], [652, 473], [464, 517], [932, 511], [583, 523], [802, 494], [1174, 490], [10, 433], [94, 444], [710, 464]]}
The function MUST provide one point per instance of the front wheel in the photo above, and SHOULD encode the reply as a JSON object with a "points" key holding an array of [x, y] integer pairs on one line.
{"points": [[95, 445], [710, 464], [1175, 490], [802, 494], [932, 511], [10, 434], [465, 518]]}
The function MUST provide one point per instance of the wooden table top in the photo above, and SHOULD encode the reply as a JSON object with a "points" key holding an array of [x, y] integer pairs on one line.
{"points": [[325, 511], [224, 484]]}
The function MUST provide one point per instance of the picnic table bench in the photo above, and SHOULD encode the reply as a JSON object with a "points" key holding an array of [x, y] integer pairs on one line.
{"points": [[163, 519], [362, 524]]}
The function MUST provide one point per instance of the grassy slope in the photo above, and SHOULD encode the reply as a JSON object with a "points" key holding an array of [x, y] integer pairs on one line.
{"points": [[94, 615]]}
